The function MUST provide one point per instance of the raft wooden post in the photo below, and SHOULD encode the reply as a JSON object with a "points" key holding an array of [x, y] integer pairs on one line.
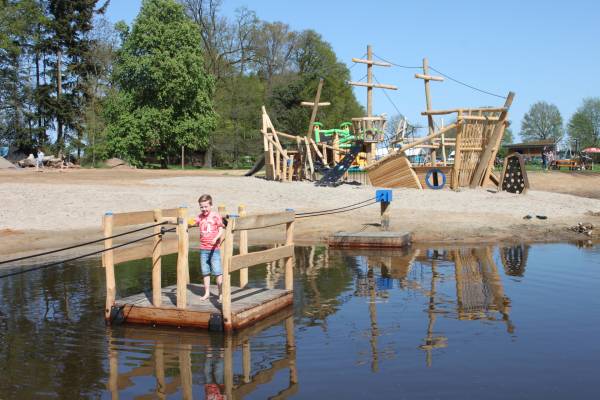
{"points": [[109, 266], [182, 258], [222, 210], [243, 246], [228, 254], [156, 260], [289, 262]]}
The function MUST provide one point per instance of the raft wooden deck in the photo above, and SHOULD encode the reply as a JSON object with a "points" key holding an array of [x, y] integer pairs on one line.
{"points": [[248, 305]]}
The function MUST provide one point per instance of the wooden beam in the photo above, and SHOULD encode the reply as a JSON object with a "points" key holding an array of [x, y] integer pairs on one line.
{"points": [[139, 217], [289, 262], [373, 85], [156, 261], [371, 62], [426, 138], [486, 161], [260, 257], [182, 258], [226, 286], [315, 106], [443, 112], [264, 220], [310, 160], [243, 247], [311, 104], [429, 77], [109, 267], [314, 144]]}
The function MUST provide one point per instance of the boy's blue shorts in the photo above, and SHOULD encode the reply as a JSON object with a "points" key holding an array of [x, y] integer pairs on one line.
{"points": [[210, 262]]}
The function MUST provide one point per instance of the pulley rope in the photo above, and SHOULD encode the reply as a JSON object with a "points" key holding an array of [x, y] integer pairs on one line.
{"points": [[163, 231], [81, 244]]}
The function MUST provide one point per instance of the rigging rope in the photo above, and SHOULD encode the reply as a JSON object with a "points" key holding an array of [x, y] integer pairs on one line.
{"points": [[80, 244]]}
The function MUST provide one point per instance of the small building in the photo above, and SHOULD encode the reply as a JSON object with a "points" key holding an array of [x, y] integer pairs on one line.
{"points": [[531, 149]]}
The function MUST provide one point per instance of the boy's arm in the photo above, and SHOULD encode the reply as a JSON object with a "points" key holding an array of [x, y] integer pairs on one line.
{"points": [[219, 236]]}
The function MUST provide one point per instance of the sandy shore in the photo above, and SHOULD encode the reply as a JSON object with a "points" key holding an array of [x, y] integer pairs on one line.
{"points": [[52, 209]]}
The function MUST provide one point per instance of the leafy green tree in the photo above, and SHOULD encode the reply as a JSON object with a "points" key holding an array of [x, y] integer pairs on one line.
{"points": [[238, 101], [19, 21], [314, 59], [164, 101], [584, 125], [542, 121]]}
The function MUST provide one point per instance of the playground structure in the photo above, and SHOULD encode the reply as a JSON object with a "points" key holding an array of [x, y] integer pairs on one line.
{"points": [[180, 304], [461, 154]]}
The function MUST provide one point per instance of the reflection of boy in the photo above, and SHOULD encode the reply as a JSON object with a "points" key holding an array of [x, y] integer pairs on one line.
{"points": [[211, 230], [213, 376]]}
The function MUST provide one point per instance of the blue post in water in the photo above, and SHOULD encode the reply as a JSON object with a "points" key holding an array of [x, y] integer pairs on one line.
{"points": [[384, 197]]}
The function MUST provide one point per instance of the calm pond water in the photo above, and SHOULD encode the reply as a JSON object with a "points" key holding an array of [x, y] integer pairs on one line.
{"points": [[486, 322]]}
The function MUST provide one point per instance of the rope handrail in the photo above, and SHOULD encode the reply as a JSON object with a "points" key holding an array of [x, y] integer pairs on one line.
{"points": [[80, 244], [162, 232]]}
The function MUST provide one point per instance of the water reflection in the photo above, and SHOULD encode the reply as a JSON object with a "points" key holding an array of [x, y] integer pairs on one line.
{"points": [[358, 316], [514, 259], [194, 363]]}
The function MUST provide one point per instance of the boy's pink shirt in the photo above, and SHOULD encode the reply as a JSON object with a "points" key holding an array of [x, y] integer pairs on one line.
{"points": [[209, 229]]}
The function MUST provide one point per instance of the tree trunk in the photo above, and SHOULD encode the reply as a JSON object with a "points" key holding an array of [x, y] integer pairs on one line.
{"points": [[208, 156], [41, 130], [59, 122]]}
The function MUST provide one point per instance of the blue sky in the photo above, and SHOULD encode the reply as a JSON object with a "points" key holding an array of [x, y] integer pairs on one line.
{"points": [[538, 49]]}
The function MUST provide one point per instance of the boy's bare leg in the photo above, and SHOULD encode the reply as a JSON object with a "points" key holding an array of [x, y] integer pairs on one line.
{"points": [[206, 287]]}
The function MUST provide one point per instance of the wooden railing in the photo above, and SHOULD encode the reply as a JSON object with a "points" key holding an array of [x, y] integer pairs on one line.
{"points": [[109, 258], [244, 260]]}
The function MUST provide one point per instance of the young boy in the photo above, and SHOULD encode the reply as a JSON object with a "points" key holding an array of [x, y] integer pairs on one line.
{"points": [[211, 230]]}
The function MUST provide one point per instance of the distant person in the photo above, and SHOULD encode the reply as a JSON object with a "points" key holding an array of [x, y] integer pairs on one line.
{"points": [[545, 159], [211, 230], [39, 162]]}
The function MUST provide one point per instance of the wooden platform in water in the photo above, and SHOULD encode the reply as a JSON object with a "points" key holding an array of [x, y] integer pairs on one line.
{"points": [[369, 240], [248, 305]]}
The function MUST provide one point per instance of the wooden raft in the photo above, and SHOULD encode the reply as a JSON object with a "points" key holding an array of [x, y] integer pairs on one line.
{"points": [[180, 304], [369, 240]]}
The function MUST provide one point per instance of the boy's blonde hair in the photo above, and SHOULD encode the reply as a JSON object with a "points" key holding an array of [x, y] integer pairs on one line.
{"points": [[205, 197]]}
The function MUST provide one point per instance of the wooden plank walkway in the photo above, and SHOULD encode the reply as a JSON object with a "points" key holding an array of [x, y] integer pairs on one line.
{"points": [[247, 306]]}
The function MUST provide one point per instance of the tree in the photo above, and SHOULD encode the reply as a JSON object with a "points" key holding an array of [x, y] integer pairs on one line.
{"points": [[542, 121], [584, 125], [67, 40], [105, 41], [164, 101], [313, 59], [19, 23]]}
